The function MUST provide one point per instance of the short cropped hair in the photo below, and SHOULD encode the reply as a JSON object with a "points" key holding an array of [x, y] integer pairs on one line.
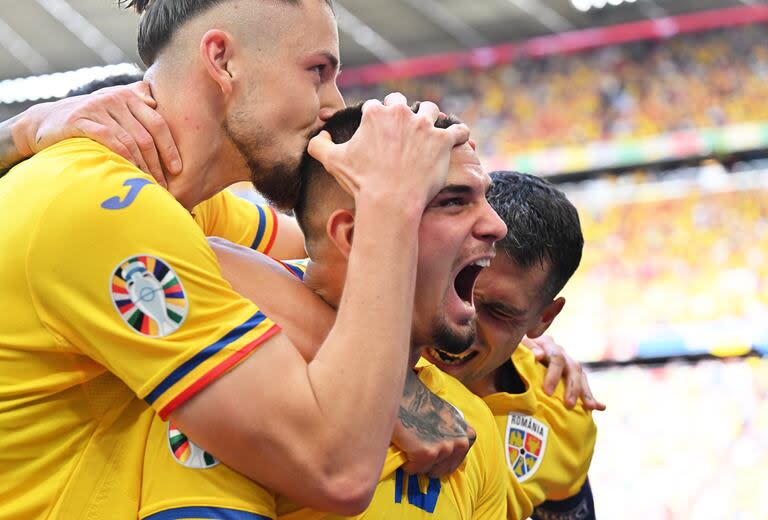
{"points": [[542, 226], [162, 18], [317, 183]]}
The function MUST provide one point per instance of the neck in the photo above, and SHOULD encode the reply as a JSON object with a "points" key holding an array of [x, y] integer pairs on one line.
{"points": [[194, 116], [505, 378], [326, 279]]}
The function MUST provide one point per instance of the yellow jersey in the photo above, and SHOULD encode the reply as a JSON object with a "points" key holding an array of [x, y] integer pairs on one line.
{"points": [[228, 216], [477, 490], [182, 481], [113, 308], [547, 447]]}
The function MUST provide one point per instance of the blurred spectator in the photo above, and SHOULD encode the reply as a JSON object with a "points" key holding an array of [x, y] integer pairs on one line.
{"points": [[682, 441], [670, 265], [639, 89]]}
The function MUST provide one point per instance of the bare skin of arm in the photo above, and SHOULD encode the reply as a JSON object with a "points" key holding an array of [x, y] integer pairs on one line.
{"points": [[434, 437], [327, 423], [343, 391], [9, 154], [121, 118]]}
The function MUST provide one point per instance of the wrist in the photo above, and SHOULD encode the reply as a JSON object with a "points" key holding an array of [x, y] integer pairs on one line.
{"points": [[23, 131]]}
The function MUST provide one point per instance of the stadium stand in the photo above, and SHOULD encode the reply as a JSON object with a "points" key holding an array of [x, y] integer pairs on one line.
{"points": [[662, 144], [672, 266], [638, 90], [682, 441]]}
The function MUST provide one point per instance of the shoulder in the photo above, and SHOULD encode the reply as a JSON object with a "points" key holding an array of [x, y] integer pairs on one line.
{"points": [[574, 428], [452, 390]]}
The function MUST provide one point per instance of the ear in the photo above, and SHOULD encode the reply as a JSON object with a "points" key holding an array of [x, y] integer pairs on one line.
{"points": [[216, 51], [546, 317], [340, 229]]}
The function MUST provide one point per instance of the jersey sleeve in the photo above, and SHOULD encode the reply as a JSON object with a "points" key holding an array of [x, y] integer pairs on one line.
{"points": [[240, 221], [573, 433], [121, 273], [576, 433], [182, 481]]}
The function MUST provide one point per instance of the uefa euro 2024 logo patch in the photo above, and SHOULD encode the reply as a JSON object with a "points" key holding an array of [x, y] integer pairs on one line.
{"points": [[526, 441], [149, 296], [186, 452]]}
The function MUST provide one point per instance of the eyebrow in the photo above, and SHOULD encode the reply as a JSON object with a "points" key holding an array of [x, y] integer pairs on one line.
{"points": [[512, 311], [456, 189], [332, 59]]}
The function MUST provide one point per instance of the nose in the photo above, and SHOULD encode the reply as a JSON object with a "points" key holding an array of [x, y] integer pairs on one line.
{"points": [[490, 227], [331, 101]]}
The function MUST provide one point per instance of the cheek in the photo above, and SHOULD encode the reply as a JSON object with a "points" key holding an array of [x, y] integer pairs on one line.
{"points": [[299, 105], [497, 337]]}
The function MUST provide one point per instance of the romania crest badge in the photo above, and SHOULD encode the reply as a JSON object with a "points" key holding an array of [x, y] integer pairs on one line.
{"points": [[526, 442], [186, 452], [148, 296]]}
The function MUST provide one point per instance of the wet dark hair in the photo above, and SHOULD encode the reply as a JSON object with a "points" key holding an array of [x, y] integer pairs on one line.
{"points": [[542, 226], [161, 18]]}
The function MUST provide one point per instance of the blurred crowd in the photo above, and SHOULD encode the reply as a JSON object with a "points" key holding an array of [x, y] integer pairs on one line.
{"points": [[639, 89], [670, 264], [652, 463]]}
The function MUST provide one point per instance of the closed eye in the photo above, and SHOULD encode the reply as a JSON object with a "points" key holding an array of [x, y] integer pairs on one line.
{"points": [[497, 314], [454, 201]]}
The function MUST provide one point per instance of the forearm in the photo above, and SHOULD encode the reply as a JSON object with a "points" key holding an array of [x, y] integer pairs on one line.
{"points": [[9, 152], [359, 372], [259, 278]]}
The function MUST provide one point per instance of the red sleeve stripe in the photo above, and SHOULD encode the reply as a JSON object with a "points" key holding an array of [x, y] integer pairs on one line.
{"points": [[216, 372], [274, 231]]}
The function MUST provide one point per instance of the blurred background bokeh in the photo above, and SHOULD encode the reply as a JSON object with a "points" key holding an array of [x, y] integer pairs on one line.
{"points": [[652, 115]]}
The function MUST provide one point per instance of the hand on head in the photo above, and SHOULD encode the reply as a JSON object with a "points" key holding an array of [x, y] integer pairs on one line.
{"points": [[394, 153]]}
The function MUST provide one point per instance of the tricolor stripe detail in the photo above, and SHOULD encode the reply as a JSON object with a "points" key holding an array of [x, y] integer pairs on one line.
{"points": [[294, 270], [205, 354], [212, 513], [216, 372], [274, 231], [260, 229]]}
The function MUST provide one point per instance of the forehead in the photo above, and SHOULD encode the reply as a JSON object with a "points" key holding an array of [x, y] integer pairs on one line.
{"points": [[465, 169], [310, 27]]}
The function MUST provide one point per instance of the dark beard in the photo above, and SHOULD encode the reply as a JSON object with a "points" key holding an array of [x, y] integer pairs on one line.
{"points": [[451, 341], [278, 181]]}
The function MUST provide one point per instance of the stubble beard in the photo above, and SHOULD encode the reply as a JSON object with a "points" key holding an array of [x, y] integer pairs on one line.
{"points": [[451, 340], [277, 180]]}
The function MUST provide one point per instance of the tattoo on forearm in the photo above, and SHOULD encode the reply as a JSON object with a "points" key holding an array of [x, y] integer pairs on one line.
{"points": [[9, 155], [427, 415]]}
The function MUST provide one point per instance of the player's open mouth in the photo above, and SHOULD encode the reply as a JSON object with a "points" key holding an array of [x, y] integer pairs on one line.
{"points": [[464, 283], [451, 359]]}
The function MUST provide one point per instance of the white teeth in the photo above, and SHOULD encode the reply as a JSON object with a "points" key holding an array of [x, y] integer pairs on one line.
{"points": [[482, 262]]}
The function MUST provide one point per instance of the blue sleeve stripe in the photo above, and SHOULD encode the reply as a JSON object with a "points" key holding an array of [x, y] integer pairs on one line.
{"points": [[205, 354], [212, 513], [295, 269], [260, 230]]}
